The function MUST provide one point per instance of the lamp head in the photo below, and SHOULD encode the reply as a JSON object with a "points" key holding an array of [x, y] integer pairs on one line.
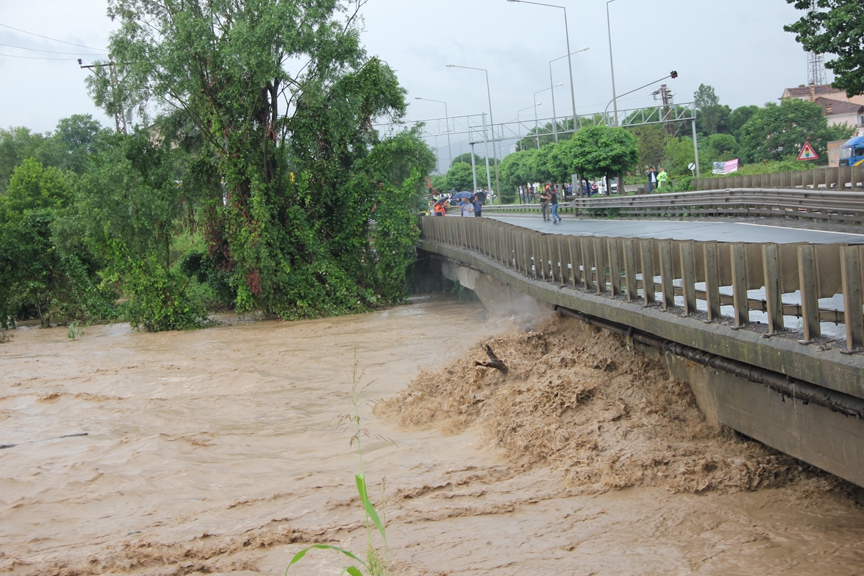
{"points": [[450, 65]]}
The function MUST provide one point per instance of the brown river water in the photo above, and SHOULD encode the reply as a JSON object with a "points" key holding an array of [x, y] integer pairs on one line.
{"points": [[225, 451]]}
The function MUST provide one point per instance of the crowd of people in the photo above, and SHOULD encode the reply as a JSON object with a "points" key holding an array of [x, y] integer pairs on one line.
{"points": [[470, 204]]}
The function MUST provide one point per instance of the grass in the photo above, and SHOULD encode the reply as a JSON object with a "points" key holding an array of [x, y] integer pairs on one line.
{"points": [[377, 562]]}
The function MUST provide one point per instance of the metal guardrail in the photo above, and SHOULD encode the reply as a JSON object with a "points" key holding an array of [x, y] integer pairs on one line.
{"points": [[825, 177], [837, 206], [618, 267]]}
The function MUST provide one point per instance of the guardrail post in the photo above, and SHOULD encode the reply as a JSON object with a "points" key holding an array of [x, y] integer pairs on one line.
{"points": [[550, 253], [667, 277], [857, 176], [773, 291], [712, 280], [614, 267], [561, 259], [809, 293], [688, 273], [850, 270], [630, 270], [600, 261], [797, 179], [535, 250], [587, 264], [739, 285], [650, 296], [573, 243], [844, 176]]}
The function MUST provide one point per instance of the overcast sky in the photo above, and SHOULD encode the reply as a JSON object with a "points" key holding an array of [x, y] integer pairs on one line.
{"points": [[737, 46]]}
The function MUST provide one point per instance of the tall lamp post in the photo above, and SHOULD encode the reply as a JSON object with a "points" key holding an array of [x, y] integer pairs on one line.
{"points": [[536, 125], [527, 108], [491, 121], [554, 114], [611, 61], [447, 117], [569, 61]]}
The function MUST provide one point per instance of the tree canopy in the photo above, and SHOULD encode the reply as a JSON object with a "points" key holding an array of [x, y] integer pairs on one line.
{"points": [[301, 203], [834, 27], [779, 131]]}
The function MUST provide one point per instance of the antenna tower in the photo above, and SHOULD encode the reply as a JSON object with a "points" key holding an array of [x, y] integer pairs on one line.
{"points": [[816, 74]]}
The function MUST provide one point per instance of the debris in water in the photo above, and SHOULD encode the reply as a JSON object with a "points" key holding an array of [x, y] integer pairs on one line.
{"points": [[494, 361]]}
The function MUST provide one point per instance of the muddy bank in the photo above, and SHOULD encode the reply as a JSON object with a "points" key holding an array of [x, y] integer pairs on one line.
{"points": [[219, 452]]}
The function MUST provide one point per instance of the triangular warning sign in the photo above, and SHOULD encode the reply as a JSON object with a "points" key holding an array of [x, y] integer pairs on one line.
{"points": [[807, 153]]}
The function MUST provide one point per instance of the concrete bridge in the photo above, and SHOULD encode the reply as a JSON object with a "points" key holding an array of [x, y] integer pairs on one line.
{"points": [[767, 335]]}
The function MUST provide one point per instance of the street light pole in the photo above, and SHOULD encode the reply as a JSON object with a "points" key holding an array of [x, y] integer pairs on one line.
{"points": [[447, 118], [611, 62], [491, 121], [527, 108], [554, 114], [536, 126], [569, 61]]}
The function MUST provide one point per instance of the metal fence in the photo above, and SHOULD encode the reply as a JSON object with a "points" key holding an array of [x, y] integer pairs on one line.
{"points": [[819, 204], [825, 177], [689, 270]]}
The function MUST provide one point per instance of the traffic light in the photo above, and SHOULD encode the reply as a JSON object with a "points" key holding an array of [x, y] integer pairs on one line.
{"points": [[674, 74]]}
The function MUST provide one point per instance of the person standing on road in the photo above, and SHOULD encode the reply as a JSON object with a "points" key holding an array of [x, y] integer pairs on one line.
{"points": [[544, 202], [553, 201], [478, 199], [652, 179], [661, 179]]}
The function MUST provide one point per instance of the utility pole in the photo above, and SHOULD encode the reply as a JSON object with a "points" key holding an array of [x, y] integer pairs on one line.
{"points": [[119, 117]]}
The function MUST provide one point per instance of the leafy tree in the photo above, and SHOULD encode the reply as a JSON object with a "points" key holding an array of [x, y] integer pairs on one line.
{"points": [[603, 151], [30, 273], [739, 117], [777, 132], [516, 170], [651, 141], [466, 158], [289, 202], [461, 177], [722, 147], [680, 154], [16, 145], [72, 142], [128, 212], [834, 27], [708, 104]]}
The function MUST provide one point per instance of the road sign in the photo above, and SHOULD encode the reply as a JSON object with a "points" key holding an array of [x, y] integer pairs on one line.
{"points": [[807, 153]]}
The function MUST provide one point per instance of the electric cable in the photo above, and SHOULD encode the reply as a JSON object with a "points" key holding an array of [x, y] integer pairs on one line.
{"points": [[52, 39]]}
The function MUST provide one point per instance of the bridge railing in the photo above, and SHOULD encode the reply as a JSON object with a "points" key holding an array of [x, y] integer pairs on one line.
{"points": [[823, 177], [742, 277], [820, 204]]}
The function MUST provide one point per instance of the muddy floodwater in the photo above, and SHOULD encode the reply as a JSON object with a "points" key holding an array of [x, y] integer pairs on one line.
{"points": [[224, 451]]}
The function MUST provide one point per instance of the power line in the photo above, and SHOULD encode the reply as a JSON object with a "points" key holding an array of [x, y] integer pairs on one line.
{"points": [[52, 39], [46, 51], [36, 58]]}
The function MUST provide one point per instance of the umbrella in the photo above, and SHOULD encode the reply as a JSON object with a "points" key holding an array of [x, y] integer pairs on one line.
{"points": [[460, 195]]}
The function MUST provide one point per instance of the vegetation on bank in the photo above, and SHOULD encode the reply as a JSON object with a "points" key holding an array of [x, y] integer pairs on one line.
{"points": [[249, 186]]}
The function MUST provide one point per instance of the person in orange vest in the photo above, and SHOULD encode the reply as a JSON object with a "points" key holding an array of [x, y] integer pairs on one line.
{"points": [[440, 207]]}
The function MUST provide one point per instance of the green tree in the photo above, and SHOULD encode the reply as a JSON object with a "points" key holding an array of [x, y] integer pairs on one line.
{"points": [[708, 105], [466, 158], [16, 145], [651, 141], [516, 170], [598, 151], [461, 177], [739, 117], [295, 222], [722, 147], [31, 274], [778, 132], [834, 27]]}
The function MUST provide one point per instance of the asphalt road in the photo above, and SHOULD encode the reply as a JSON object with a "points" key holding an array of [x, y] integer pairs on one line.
{"points": [[681, 230]]}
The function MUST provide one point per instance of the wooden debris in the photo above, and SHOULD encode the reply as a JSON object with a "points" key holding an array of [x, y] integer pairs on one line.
{"points": [[494, 361]]}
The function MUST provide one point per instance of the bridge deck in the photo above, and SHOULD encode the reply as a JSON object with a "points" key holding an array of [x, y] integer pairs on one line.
{"points": [[680, 230]]}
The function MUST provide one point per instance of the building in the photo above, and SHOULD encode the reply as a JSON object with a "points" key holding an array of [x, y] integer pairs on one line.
{"points": [[839, 108]]}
